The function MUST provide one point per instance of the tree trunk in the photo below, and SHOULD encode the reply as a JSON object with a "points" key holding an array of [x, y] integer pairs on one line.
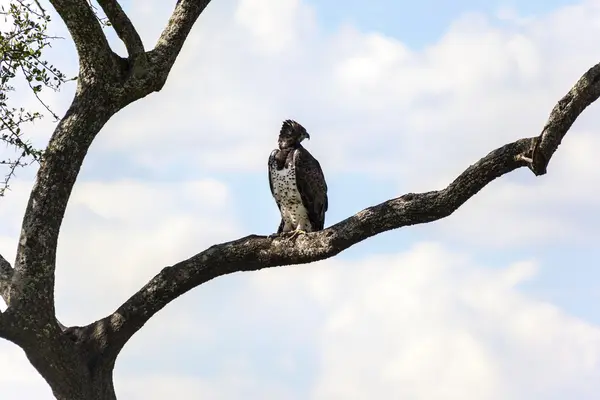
{"points": [[75, 363], [78, 381], [99, 389]]}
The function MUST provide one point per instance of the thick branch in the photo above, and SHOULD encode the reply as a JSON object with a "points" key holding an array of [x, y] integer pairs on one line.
{"points": [[256, 252], [96, 59], [123, 26]]}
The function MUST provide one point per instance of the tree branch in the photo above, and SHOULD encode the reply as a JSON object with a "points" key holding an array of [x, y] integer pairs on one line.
{"points": [[563, 115], [96, 59], [123, 26]]}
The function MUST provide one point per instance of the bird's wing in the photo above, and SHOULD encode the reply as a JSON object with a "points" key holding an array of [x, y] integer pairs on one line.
{"points": [[312, 187], [271, 164]]}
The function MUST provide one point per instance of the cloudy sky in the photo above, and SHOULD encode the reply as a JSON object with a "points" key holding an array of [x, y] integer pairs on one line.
{"points": [[498, 301]]}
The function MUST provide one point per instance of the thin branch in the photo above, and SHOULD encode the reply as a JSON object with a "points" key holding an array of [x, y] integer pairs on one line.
{"points": [[123, 26], [254, 252], [96, 58], [37, 96], [42, 9], [12, 171], [6, 273]]}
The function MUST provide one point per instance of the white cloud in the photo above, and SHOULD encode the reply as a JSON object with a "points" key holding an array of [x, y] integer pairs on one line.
{"points": [[18, 378], [384, 326], [384, 105], [115, 237], [427, 323], [375, 105], [559, 207], [432, 324], [274, 24], [134, 230], [231, 387], [118, 235]]}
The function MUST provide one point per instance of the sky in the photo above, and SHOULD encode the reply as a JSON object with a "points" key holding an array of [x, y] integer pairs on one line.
{"points": [[497, 301]]}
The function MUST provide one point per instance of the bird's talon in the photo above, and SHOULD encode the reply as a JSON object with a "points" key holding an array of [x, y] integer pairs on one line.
{"points": [[296, 233]]}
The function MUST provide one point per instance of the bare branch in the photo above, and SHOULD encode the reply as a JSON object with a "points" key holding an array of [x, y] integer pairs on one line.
{"points": [[256, 252], [6, 273], [123, 26], [563, 115], [96, 58]]}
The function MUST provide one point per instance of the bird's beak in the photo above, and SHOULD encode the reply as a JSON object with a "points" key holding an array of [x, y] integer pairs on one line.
{"points": [[307, 136]]}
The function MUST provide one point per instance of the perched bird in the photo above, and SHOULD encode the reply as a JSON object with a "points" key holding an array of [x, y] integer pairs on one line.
{"points": [[297, 183]]}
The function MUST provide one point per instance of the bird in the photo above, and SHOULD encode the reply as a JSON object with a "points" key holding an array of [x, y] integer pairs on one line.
{"points": [[297, 183]]}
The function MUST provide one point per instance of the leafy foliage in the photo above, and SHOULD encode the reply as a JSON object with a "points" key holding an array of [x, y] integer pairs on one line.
{"points": [[23, 37]]}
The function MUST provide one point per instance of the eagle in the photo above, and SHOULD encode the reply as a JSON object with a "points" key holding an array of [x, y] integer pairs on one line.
{"points": [[297, 183]]}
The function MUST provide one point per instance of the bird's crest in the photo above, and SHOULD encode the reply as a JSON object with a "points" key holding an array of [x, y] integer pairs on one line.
{"points": [[290, 126]]}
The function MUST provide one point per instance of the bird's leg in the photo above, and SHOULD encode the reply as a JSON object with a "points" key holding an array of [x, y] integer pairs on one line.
{"points": [[280, 231]]}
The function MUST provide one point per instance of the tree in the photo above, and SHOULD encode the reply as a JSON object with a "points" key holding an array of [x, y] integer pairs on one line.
{"points": [[77, 362]]}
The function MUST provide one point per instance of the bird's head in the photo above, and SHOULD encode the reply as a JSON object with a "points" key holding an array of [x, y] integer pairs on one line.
{"points": [[291, 134]]}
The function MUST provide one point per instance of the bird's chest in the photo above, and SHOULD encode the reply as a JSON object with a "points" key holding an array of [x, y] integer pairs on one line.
{"points": [[284, 185]]}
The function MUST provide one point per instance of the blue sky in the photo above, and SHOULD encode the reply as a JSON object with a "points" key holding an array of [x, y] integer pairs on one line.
{"points": [[417, 23], [398, 97]]}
